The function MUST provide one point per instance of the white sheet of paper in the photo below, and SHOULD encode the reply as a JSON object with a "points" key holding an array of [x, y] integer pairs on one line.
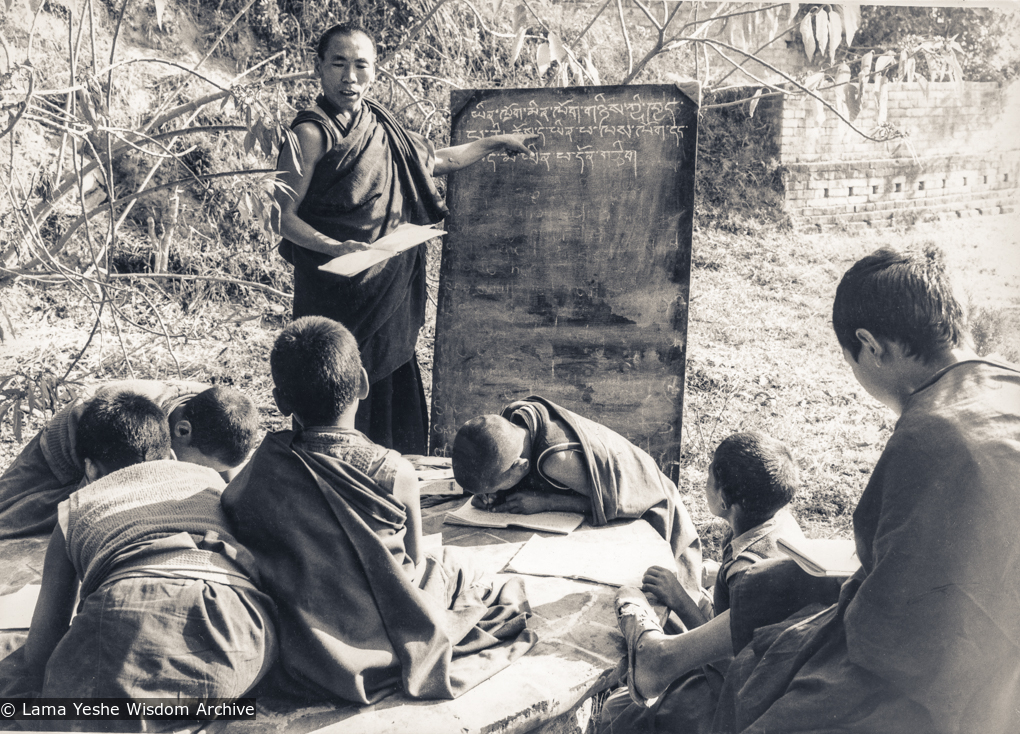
{"points": [[434, 541], [547, 522], [615, 555], [835, 557], [402, 238], [16, 609]]}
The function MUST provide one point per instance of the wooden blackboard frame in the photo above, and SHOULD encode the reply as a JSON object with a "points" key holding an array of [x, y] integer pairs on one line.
{"points": [[568, 274]]}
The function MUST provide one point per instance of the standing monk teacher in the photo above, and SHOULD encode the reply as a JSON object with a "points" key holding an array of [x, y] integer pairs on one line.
{"points": [[357, 176]]}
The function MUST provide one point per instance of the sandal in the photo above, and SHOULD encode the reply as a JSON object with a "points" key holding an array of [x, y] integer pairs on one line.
{"points": [[635, 617]]}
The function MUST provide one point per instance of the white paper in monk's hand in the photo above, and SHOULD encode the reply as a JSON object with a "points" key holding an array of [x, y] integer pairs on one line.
{"points": [[615, 555], [400, 239], [16, 609]]}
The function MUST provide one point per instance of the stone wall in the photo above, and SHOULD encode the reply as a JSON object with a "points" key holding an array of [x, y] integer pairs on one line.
{"points": [[960, 155]]}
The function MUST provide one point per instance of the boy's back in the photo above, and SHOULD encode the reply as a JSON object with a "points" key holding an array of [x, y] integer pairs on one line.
{"points": [[755, 545], [358, 619], [138, 538], [168, 601], [334, 522]]}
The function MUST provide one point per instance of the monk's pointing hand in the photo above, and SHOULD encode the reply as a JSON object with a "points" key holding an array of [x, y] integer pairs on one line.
{"points": [[516, 144]]}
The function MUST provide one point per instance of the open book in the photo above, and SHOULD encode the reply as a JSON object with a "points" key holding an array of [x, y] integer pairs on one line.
{"points": [[823, 557], [548, 522], [400, 239]]}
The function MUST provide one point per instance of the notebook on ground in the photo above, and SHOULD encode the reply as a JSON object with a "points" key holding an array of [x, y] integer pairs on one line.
{"points": [[548, 522]]}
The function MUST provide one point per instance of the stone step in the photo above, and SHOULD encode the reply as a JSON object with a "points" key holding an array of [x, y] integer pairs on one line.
{"points": [[973, 205], [857, 220]]}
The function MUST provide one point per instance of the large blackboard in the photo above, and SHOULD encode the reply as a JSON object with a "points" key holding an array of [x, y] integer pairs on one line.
{"points": [[567, 275]]}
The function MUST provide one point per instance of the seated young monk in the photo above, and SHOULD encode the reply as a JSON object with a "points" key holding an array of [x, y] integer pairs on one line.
{"points": [[925, 637], [215, 427], [751, 479], [334, 522], [537, 457], [168, 606]]}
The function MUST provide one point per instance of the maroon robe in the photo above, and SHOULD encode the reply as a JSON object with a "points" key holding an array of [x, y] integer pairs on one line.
{"points": [[926, 635], [357, 620], [374, 177]]}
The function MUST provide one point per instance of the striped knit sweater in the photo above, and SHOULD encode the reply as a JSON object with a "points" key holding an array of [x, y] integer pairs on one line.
{"points": [[144, 503]]}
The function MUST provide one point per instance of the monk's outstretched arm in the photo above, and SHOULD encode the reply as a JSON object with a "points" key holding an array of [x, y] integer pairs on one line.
{"points": [[462, 156]]}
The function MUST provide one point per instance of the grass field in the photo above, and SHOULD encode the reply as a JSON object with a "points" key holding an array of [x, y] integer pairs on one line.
{"points": [[761, 351]]}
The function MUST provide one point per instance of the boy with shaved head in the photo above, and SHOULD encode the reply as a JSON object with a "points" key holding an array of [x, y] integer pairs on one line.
{"points": [[536, 456], [334, 521], [215, 427], [167, 603]]}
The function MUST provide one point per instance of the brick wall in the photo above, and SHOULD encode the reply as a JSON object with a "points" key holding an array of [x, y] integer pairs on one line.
{"points": [[960, 156]]}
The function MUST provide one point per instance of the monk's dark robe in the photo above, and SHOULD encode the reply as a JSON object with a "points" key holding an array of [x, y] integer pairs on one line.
{"points": [[357, 619], [926, 636], [374, 177], [626, 482]]}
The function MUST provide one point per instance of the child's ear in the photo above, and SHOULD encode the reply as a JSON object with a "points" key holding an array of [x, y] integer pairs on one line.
{"points": [[363, 388], [521, 465], [282, 403], [871, 345], [181, 433], [93, 471]]}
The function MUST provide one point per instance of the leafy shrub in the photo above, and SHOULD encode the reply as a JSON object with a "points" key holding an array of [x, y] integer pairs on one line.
{"points": [[739, 184]]}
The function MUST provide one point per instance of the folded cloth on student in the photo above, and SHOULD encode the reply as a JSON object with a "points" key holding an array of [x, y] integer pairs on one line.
{"points": [[357, 620]]}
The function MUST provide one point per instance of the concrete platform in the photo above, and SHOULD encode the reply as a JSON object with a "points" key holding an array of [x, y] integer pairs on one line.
{"points": [[579, 647]]}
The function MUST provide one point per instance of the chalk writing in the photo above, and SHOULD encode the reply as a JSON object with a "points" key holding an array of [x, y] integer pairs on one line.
{"points": [[579, 122], [673, 133], [616, 157], [576, 133], [595, 112]]}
